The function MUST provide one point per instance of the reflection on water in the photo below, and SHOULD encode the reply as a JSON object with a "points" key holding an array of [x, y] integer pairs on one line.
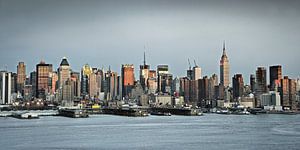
{"points": [[155, 132]]}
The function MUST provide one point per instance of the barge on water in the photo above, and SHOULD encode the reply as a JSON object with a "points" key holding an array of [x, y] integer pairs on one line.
{"points": [[185, 111], [73, 113], [130, 112], [25, 115]]}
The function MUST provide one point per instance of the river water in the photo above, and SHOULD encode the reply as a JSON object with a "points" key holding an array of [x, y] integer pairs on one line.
{"points": [[210, 131]]}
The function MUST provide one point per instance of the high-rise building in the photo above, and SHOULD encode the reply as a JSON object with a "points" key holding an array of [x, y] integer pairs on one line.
{"points": [[111, 81], [53, 77], [212, 83], [5, 87], [298, 85], [252, 82], [21, 71], [261, 84], [196, 73], [166, 83], [64, 72], [203, 92], [176, 87], [275, 75], [14, 78], [67, 93], [75, 77], [42, 79], [93, 85], [238, 86], [33, 83], [144, 73], [185, 89], [85, 73], [288, 93], [220, 92], [161, 70], [224, 68], [127, 79]]}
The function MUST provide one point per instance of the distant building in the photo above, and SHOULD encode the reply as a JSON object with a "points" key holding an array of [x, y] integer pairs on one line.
{"points": [[42, 79], [275, 75], [252, 82], [5, 87], [185, 89], [33, 78], [166, 83], [21, 72], [288, 93], [196, 73], [128, 79], [67, 94], [111, 84], [144, 73], [175, 87], [203, 92], [53, 77], [224, 68], [64, 72], [261, 84], [75, 77], [14, 78], [152, 85], [238, 86], [270, 99], [86, 71], [163, 100], [161, 70]]}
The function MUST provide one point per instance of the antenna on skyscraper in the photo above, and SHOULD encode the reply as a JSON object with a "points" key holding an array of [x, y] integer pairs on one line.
{"points": [[144, 55]]}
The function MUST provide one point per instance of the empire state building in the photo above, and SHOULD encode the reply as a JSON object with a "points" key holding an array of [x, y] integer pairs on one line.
{"points": [[224, 68]]}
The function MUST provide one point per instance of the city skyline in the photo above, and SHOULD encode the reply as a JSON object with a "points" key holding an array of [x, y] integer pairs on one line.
{"points": [[114, 33]]}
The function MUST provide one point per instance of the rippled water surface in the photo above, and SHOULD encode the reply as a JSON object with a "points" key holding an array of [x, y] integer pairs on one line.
{"points": [[210, 131]]}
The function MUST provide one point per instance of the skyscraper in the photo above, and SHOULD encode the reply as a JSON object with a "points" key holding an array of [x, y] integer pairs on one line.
{"points": [[288, 93], [33, 83], [21, 72], [75, 77], [275, 75], [238, 86], [203, 91], [85, 73], [224, 68], [252, 82], [196, 73], [161, 70], [5, 87], [144, 73], [127, 79], [64, 72], [42, 81], [261, 84]]}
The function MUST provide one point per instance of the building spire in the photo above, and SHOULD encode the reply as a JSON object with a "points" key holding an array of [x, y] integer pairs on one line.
{"points": [[144, 58], [224, 51]]}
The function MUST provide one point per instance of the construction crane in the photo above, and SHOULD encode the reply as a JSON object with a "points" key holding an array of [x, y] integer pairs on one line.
{"points": [[190, 67], [195, 63]]}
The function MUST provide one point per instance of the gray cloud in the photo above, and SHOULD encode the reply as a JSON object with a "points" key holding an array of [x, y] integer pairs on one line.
{"points": [[102, 33]]}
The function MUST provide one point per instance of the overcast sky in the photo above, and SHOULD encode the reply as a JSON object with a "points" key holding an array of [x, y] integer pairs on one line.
{"points": [[102, 33]]}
